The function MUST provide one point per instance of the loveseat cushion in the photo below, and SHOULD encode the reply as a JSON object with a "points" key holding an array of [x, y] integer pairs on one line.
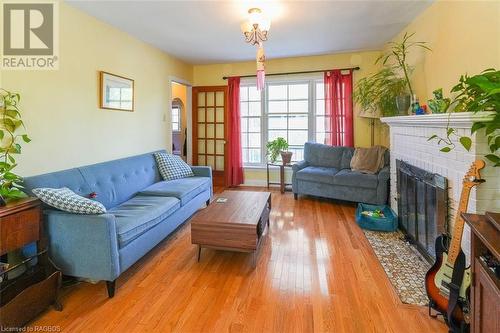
{"points": [[141, 213], [183, 189], [347, 177], [317, 174]]}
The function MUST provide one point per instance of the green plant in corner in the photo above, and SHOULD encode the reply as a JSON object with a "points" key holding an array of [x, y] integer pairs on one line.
{"points": [[478, 93], [275, 147], [10, 125]]}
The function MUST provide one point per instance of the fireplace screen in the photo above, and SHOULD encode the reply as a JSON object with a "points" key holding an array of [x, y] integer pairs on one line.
{"points": [[422, 205]]}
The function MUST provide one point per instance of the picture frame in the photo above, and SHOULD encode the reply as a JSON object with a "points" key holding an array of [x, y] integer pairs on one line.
{"points": [[116, 92]]}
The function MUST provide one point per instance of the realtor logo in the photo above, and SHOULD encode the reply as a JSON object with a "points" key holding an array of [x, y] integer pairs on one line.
{"points": [[30, 36]]}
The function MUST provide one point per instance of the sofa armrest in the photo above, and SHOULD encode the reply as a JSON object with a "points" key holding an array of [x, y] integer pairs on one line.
{"points": [[204, 171], [384, 174], [299, 166], [83, 245], [296, 168]]}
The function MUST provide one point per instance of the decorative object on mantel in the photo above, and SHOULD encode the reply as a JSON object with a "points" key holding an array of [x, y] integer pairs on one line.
{"points": [[387, 90], [448, 281], [439, 104], [255, 30], [10, 125], [116, 92], [479, 93], [404, 265], [279, 146]]}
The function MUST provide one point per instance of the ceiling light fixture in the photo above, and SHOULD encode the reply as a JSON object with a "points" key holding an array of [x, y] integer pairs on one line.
{"points": [[255, 30]]}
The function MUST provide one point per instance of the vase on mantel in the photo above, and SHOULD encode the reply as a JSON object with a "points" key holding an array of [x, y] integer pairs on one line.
{"points": [[403, 103]]}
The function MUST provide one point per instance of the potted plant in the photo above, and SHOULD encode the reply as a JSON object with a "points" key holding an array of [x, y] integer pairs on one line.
{"points": [[478, 93], [389, 90], [277, 147], [10, 138]]}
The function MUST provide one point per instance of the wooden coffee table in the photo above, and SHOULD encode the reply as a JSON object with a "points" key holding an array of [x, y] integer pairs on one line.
{"points": [[235, 225]]}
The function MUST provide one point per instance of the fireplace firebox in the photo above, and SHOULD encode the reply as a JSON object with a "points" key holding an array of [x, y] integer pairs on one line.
{"points": [[422, 199]]}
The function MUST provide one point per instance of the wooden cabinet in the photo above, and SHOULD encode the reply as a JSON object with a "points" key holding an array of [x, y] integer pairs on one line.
{"points": [[485, 291], [24, 297]]}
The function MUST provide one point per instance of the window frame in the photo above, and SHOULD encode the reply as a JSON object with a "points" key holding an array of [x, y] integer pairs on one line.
{"points": [[176, 104], [311, 81]]}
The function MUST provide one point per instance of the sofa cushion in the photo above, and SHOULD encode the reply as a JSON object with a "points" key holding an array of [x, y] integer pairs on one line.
{"points": [[324, 155], [183, 189], [347, 177], [141, 213], [317, 174]]}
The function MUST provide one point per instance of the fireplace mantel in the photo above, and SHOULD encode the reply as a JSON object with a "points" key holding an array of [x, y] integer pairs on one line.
{"points": [[456, 120]]}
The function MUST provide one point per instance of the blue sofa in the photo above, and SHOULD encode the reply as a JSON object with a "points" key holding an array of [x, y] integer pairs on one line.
{"points": [[142, 210], [325, 172]]}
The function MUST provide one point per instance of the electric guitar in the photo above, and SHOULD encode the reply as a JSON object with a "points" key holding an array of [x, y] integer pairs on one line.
{"points": [[449, 279]]}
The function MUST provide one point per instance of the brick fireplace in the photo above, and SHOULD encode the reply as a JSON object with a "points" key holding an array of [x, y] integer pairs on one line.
{"points": [[408, 143]]}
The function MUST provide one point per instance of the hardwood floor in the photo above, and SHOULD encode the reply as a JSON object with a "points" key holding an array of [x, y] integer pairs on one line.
{"points": [[316, 272]]}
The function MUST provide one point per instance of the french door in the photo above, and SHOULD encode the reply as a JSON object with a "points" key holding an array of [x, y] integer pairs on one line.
{"points": [[209, 128]]}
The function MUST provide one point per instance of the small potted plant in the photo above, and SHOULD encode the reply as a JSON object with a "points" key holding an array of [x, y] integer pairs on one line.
{"points": [[10, 138], [279, 146]]}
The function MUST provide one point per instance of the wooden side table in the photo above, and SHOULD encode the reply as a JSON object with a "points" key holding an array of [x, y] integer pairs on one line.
{"points": [[24, 297], [281, 183], [485, 257]]}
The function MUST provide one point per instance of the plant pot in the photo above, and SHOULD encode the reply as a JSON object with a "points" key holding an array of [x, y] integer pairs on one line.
{"points": [[403, 104], [286, 157]]}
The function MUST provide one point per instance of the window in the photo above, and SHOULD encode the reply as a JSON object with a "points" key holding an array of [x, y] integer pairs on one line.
{"points": [[251, 121], [176, 118], [294, 110]]}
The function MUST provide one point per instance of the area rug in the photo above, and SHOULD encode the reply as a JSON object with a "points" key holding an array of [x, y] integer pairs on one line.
{"points": [[402, 263]]}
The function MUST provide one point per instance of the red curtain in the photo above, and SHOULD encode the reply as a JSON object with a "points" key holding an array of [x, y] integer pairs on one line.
{"points": [[338, 108], [234, 173]]}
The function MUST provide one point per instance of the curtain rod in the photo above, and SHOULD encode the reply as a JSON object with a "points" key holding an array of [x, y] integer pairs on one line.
{"points": [[289, 73]]}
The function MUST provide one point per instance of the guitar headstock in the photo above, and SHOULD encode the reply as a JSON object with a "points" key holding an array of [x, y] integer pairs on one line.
{"points": [[473, 175]]}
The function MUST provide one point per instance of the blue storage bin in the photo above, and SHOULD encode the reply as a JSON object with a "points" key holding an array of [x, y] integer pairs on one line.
{"points": [[387, 223]]}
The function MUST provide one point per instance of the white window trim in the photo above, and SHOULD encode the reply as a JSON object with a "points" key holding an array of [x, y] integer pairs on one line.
{"points": [[285, 79]]}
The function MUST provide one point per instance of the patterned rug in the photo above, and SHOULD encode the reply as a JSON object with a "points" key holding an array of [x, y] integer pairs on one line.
{"points": [[402, 263]]}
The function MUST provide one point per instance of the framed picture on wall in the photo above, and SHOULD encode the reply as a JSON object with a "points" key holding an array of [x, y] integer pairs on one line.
{"points": [[116, 92]]}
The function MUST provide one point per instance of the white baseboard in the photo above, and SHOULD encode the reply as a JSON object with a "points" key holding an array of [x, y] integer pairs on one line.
{"points": [[255, 182]]}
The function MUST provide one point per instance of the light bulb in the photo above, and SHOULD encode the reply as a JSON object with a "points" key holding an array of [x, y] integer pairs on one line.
{"points": [[246, 27]]}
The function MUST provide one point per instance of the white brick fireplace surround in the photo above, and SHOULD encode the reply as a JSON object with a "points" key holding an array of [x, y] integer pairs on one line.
{"points": [[408, 142]]}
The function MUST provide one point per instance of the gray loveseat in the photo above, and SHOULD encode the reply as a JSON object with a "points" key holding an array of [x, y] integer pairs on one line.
{"points": [[325, 172]]}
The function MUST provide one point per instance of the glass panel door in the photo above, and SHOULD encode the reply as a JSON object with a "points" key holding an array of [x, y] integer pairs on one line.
{"points": [[209, 114]]}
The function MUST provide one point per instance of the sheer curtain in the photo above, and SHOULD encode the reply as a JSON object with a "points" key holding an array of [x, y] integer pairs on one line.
{"points": [[234, 172], [338, 108]]}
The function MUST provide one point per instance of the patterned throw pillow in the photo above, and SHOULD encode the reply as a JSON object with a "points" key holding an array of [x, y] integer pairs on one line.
{"points": [[172, 166], [68, 201]]}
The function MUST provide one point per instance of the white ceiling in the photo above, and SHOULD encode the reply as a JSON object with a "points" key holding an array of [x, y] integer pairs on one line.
{"points": [[201, 32]]}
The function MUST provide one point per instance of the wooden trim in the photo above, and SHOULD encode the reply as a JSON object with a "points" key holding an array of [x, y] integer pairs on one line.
{"points": [[101, 74]]}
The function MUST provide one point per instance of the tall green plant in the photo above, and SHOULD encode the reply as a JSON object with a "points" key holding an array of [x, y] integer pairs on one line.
{"points": [[275, 147], [10, 126], [478, 93], [398, 54]]}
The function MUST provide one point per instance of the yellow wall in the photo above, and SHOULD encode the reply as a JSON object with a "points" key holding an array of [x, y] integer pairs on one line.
{"points": [[209, 75], [464, 37], [61, 110]]}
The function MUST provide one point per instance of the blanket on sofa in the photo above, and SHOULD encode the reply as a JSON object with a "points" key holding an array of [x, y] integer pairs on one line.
{"points": [[368, 160]]}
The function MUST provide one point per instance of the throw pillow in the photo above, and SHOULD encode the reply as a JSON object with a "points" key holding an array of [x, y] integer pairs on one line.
{"points": [[172, 166], [368, 160], [68, 201]]}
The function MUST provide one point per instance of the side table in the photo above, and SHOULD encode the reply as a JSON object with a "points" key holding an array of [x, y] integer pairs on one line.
{"points": [[281, 183]]}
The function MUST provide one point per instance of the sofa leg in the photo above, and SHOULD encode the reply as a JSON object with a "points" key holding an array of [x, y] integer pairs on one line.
{"points": [[110, 285], [208, 202], [295, 196]]}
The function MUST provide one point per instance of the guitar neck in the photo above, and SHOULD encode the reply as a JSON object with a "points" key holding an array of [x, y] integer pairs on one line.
{"points": [[458, 228]]}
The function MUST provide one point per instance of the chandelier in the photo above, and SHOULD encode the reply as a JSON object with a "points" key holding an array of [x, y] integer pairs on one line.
{"points": [[255, 30]]}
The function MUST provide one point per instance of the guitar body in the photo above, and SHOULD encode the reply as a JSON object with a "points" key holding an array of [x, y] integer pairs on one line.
{"points": [[441, 273]]}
